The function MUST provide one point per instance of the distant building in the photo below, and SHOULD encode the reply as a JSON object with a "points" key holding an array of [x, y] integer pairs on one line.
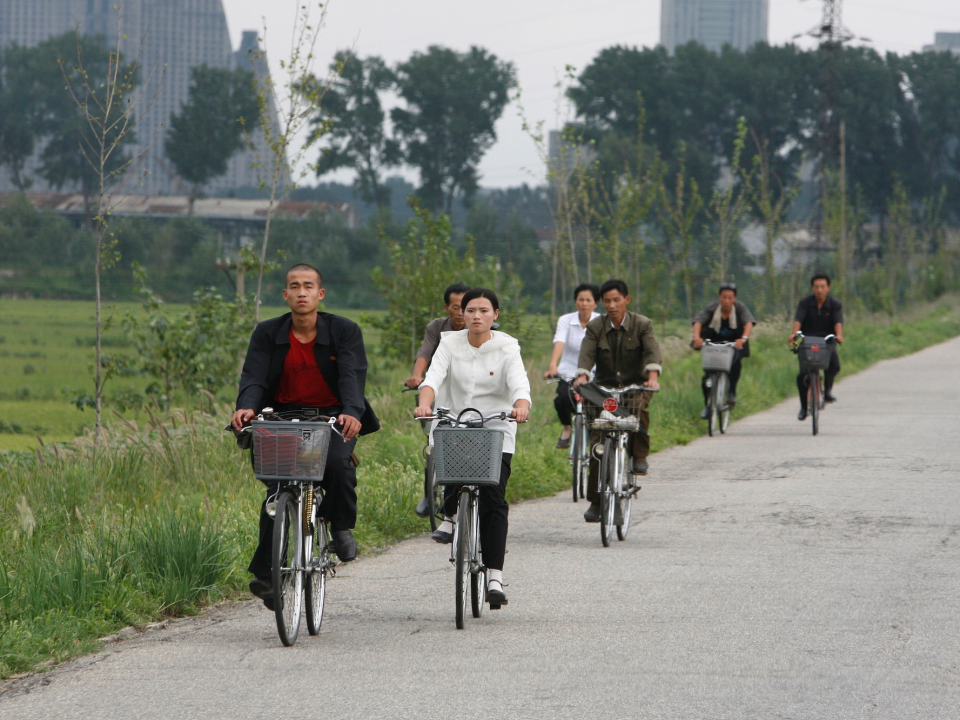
{"points": [[176, 35], [713, 23], [944, 42]]}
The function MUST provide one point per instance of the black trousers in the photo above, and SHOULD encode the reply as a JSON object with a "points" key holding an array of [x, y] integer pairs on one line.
{"points": [[564, 403], [734, 375], [828, 376], [493, 515], [339, 506]]}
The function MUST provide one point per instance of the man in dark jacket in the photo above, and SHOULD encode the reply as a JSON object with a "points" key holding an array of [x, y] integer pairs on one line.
{"points": [[314, 363], [818, 315]]}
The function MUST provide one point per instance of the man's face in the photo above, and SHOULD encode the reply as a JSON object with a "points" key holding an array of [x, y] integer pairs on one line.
{"points": [[615, 304], [303, 292], [820, 289], [454, 311], [726, 299]]}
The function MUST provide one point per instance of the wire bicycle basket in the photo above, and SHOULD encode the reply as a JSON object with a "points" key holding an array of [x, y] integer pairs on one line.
{"points": [[467, 456], [815, 353], [717, 358], [623, 414], [287, 450]]}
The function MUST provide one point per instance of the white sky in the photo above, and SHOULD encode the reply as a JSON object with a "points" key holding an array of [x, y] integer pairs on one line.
{"points": [[542, 37]]}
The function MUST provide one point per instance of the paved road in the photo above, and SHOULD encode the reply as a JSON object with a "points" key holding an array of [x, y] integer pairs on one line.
{"points": [[769, 574]]}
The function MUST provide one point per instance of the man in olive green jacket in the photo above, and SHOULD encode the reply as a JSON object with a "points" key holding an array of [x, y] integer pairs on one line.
{"points": [[625, 351]]}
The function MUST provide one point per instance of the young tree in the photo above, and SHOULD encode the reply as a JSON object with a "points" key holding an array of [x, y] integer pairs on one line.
{"points": [[453, 101], [298, 104], [729, 204], [208, 130], [357, 138], [769, 204]]}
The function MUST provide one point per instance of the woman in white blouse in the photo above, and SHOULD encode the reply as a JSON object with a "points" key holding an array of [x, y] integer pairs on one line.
{"points": [[481, 368], [571, 329]]}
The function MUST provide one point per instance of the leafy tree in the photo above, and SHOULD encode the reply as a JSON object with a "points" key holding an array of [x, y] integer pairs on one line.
{"points": [[356, 134], [19, 112], [453, 101], [209, 129]]}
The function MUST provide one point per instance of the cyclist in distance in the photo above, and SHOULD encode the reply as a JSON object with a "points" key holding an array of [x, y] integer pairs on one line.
{"points": [[481, 368], [625, 351], [819, 315], [431, 339], [571, 329], [312, 362], [727, 320]]}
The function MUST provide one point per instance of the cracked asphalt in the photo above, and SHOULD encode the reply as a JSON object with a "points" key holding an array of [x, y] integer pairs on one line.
{"points": [[768, 574]]}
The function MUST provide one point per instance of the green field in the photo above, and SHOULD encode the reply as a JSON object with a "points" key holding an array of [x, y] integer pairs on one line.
{"points": [[162, 519]]}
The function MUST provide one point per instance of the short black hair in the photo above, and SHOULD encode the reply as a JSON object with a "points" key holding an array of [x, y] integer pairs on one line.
{"points": [[303, 266], [474, 293], [820, 276], [594, 290], [618, 285], [728, 286], [455, 289]]}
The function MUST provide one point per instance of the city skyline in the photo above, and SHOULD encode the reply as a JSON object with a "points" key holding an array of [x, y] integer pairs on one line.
{"points": [[713, 23]]}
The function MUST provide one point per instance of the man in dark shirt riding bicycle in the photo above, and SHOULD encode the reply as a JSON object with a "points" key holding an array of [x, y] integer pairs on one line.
{"points": [[819, 315], [313, 363]]}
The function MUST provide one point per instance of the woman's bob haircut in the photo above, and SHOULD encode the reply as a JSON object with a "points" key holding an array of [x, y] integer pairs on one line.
{"points": [[474, 293]]}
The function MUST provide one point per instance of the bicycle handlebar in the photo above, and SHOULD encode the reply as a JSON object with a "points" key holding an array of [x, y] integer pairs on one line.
{"points": [[628, 388], [729, 343], [798, 338], [445, 414]]}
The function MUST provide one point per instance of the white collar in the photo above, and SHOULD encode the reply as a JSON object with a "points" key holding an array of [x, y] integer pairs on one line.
{"points": [[460, 345]]}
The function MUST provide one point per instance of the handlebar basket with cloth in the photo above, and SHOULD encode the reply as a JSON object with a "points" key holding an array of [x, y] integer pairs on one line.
{"points": [[717, 358], [625, 414]]}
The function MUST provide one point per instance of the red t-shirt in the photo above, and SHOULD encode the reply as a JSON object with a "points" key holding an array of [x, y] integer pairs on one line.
{"points": [[301, 382]]}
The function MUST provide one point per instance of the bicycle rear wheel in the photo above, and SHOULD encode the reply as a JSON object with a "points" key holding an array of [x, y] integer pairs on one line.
{"points": [[712, 419], [813, 401], [722, 402], [318, 566], [287, 568], [576, 459], [465, 525], [608, 490], [433, 493]]}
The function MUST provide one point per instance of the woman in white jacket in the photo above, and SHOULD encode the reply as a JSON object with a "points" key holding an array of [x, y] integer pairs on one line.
{"points": [[481, 368]]}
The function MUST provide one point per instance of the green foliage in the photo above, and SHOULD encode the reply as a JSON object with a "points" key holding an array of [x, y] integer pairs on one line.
{"points": [[197, 352], [20, 112], [209, 128], [453, 101], [356, 137]]}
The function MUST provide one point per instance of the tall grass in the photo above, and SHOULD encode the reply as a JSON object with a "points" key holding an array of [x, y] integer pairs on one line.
{"points": [[163, 519]]}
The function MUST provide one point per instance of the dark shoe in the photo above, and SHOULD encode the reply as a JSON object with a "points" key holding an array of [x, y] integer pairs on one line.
{"points": [[423, 508], [705, 413], [563, 442], [444, 538], [639, 466], [731, 399], [496, 597], [829, 397], [345, 545], [593, 513], [802, 415], [263, 589]]}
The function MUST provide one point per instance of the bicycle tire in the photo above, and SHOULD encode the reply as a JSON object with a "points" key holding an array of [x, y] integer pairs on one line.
{"points": [[712, 418], [462, 580], [607, 489], [287, 584], [626, 505], [433, 493], [576, 440], [478, 579], [316, 582], [722, 397], [813, 402]]}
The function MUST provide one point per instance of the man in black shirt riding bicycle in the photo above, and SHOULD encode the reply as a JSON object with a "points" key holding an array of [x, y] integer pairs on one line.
{"points": [[819, 315], [312, 363]]}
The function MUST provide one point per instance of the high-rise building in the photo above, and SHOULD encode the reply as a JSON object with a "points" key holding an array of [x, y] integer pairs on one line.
{"points": [[170, 37], [944, 42], [713, 23]]}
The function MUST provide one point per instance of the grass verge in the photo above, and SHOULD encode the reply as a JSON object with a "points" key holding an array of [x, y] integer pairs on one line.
{"points": [[163, 519]]}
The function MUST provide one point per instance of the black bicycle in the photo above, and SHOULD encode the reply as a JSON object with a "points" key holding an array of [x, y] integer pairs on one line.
{"points": [[815, 354], [431, 491]]}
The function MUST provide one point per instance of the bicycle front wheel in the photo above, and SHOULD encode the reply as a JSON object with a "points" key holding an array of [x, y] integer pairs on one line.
{"points": [[464, 546], [608, 490], [317, 567], [722, 402], [714, 401], [626, 504], [287, 568], [813, 402], [576, 458]]}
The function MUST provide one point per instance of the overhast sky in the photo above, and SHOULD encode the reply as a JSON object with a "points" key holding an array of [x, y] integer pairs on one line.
{"points": [[546, 38]]}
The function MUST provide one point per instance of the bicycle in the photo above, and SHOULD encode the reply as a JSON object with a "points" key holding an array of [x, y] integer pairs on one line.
{"points": [[468, 455], [431, 491], [716, 360], [815, 354], [579, 453], [616, 484], [293, 452]]}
